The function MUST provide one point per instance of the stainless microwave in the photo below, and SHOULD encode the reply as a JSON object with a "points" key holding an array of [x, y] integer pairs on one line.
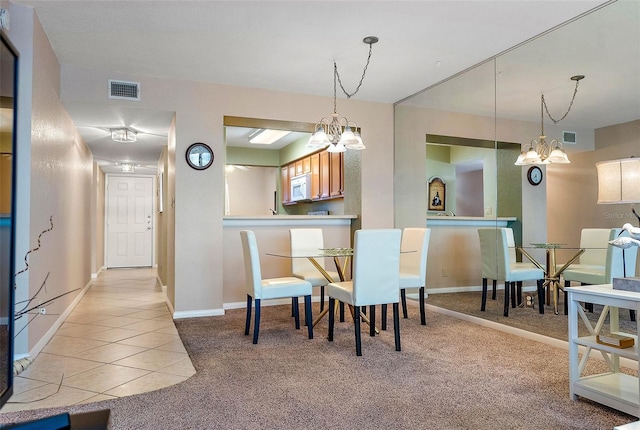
{"points": [[301, 188]]}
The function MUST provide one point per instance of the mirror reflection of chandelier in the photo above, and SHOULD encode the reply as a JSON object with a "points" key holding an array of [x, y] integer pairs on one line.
{"points": [[340, 134], [543, 152]]}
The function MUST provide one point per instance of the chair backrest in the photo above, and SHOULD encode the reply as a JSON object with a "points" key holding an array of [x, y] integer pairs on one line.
{"points": [[252, 273], [376, 266], [494, 251], [511, 245], [595, 242], [304, 240], [615, 267], [415, 263]]}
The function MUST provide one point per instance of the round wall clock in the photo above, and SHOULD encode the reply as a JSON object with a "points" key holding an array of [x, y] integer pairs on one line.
{"points": [[534, 175], [199, 156]]}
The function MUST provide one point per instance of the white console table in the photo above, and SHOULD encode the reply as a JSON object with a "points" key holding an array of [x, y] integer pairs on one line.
{"points": [[614, 389]]}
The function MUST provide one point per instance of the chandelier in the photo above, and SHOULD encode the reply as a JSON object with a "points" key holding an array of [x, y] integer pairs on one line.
{"points": [[340, 134], [543, 152]]}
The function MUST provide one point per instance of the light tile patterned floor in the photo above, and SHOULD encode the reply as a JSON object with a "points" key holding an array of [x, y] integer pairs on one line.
{"points": [[118, 341]]}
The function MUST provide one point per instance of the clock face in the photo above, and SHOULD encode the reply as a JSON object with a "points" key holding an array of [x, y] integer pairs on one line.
{"points": [[199, 156], [534, 175]]}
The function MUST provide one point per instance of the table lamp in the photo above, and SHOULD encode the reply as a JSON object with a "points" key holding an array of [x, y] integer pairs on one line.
{"points": [[619, 182]]}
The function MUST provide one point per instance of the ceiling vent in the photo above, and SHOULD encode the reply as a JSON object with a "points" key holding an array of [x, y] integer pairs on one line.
{"points": [[124, 90], [569, 137]]}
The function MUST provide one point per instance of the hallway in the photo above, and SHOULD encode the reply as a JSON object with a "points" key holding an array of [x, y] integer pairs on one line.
{"points": [[119, 340]]}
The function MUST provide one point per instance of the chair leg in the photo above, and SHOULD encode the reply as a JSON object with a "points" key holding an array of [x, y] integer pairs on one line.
{"points": [[540, 283], [507, 286], [494, 293], [331, 318], [512, 285], [341, 312], [403, 297], [396, 325], [519, 292], [307, 315], [632, 314], [383, 324], [296, 313], [321, 298], [256, 324], [483, 304], [248, 322], [372, 320], [293, 306], [423, 316], [356, 324]]}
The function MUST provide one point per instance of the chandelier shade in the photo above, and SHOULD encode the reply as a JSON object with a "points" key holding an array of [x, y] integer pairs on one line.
{"points": [[619, 181]]}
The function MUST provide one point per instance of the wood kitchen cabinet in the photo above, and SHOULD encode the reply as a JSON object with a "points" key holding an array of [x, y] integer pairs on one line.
{"points": [[324, 175], [285, 183], [336, 172], [327, 175], [314, 165]]}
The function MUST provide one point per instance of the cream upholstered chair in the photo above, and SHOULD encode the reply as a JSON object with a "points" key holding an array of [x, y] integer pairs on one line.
{"points": [[498, 263], [601, 262], [413, 269], [375, 280], [305, 240], [260, 289]]}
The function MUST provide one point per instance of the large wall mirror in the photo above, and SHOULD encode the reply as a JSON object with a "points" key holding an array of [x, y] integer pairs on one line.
{"points": [[8, 86], [499, 101]]}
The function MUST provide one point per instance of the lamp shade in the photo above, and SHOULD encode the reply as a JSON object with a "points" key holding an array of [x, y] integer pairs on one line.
{"points": [[619, 181]]}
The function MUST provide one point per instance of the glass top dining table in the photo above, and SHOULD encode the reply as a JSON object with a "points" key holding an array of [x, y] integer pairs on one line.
{"points": [[341, 268], [551, 271]]}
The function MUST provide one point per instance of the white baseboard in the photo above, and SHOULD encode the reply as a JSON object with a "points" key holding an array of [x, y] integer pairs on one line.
{"points": [[100, 270], [39, 346], [198, 314]]}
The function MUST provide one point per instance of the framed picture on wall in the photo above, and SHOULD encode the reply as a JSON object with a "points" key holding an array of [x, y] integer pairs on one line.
{"points": [[437, 194]]}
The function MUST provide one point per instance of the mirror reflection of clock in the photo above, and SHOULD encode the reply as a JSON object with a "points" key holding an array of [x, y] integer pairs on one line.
{"points": [[534, 175], [199, 156]]}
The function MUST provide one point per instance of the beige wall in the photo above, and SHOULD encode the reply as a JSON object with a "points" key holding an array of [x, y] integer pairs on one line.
{"points": [[199, 201], [57, 177]]}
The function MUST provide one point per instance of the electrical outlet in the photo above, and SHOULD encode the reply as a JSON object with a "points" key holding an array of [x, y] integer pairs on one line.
{"points": [[43, 311]]}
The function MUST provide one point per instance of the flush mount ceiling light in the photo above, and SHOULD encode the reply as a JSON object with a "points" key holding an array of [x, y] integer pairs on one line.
{"points": [[340, 134], [123, 135], [541, 152], [267, 137], [128, 168]]}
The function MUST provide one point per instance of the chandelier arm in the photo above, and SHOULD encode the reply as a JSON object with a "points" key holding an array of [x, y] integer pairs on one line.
{"points": [[555, 121], [337, 75]]}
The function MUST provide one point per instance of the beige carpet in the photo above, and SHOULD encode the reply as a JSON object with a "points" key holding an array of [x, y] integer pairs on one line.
{"points": [[450, 374], [525, 318]]}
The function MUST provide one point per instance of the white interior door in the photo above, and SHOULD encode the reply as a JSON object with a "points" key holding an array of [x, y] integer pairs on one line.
{"points": [[129, 220]]}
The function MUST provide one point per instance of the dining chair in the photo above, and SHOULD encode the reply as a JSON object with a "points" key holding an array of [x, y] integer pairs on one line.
{"points": [[414, 248], [259, 289], [375, 280], [309, 240], [601, 262], [498, 264]]}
